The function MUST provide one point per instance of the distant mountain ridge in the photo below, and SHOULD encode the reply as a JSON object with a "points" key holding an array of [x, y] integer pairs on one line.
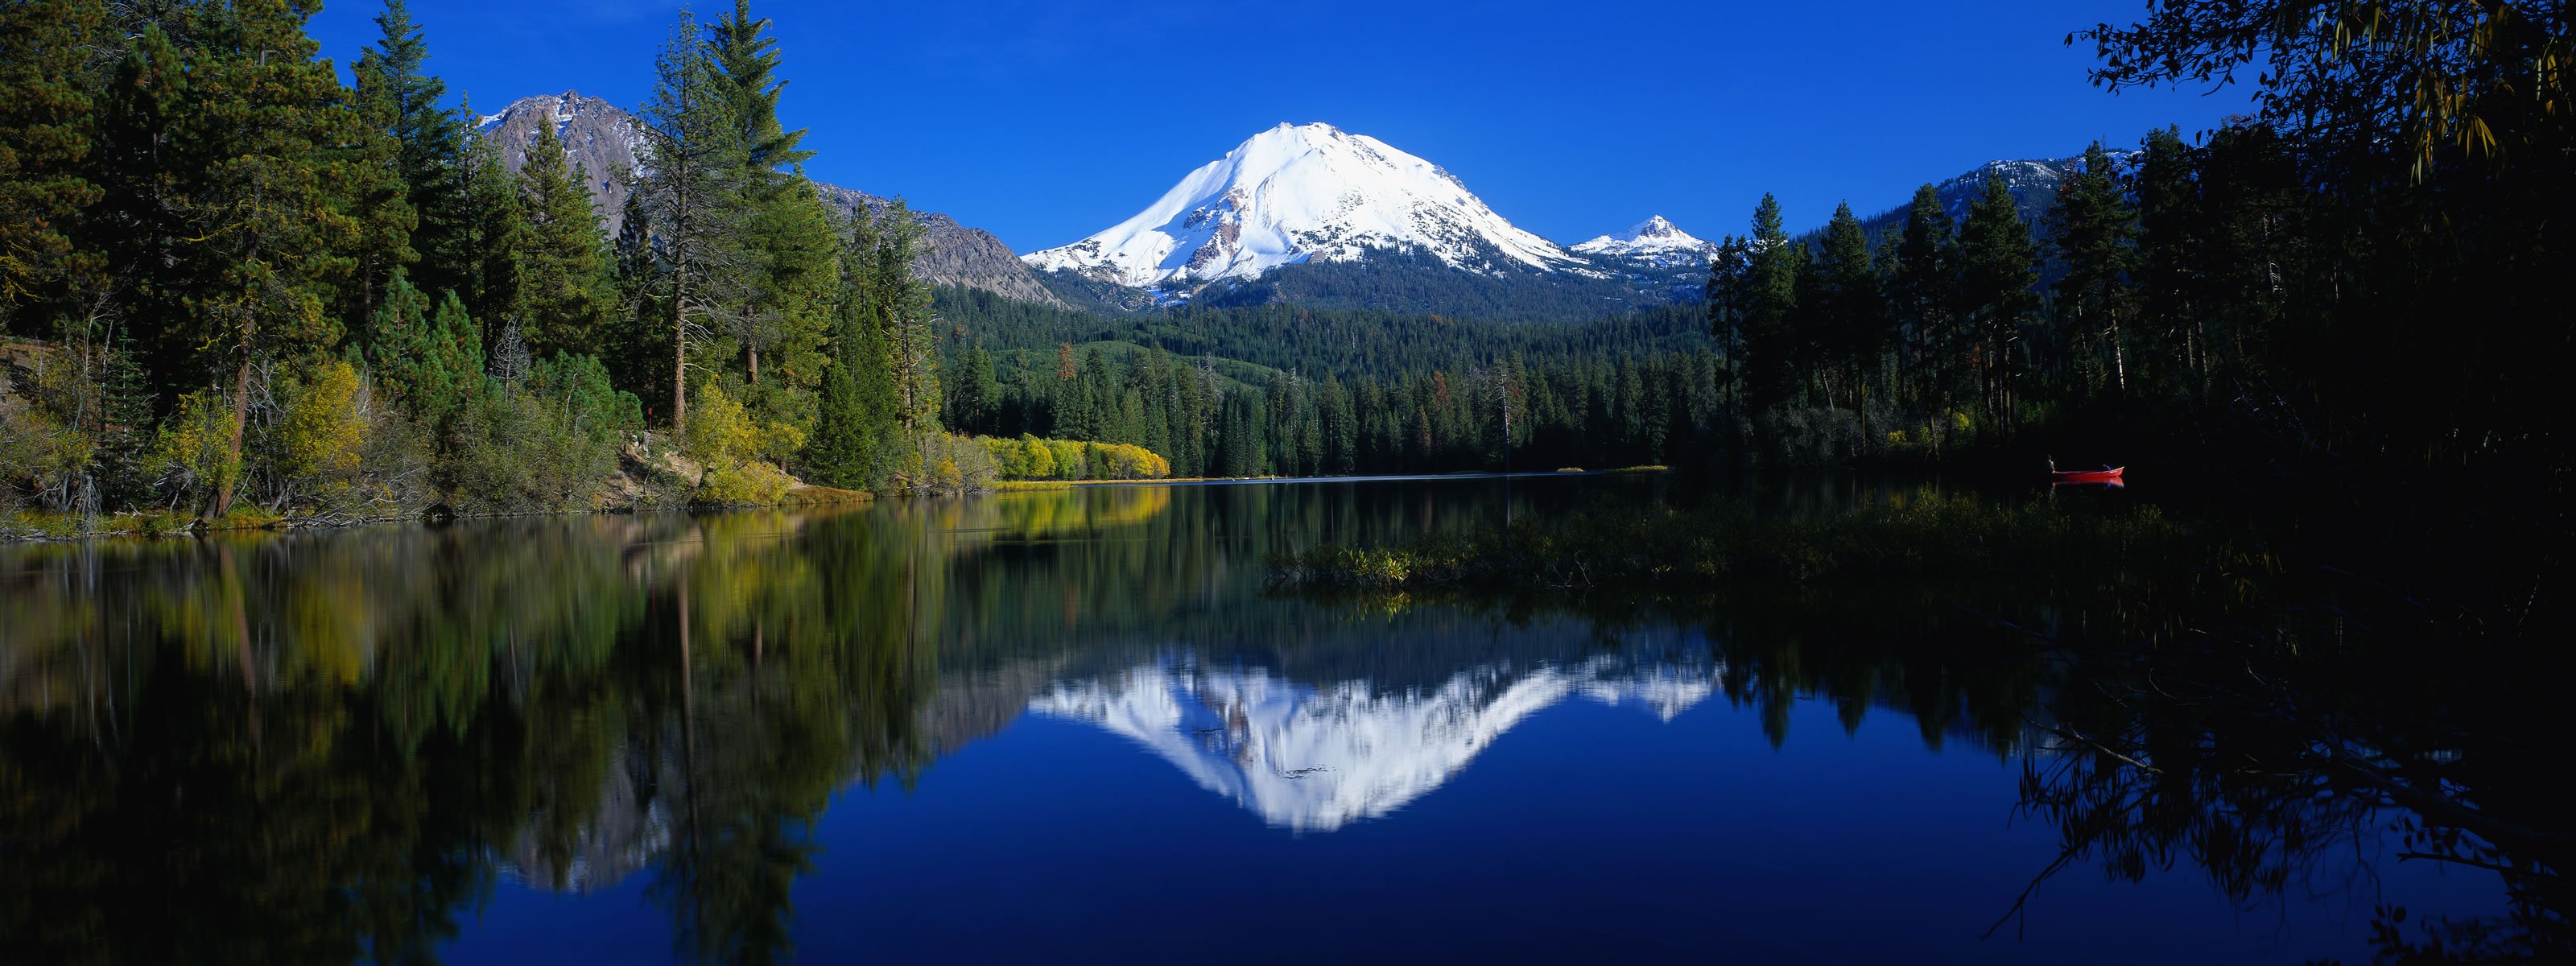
{"points": [[1307, 214], [608, 144], [1654, 241]]}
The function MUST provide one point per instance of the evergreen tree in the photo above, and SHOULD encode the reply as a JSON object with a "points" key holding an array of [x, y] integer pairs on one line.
{"points": [[2168, 211], [1998, 265], [639, 349], [1729, 298], [972, 393], [1924, 284], [571, 293], [2096, 233], [1853, 310], [45, 130], [1770, 301], [431, 361], [495, 285], [228, 146], [692, 188], [789, 238], [856, 423], [429, 160]]}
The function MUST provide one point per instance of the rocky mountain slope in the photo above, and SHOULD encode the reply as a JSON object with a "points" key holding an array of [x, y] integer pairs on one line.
{"points": [[608, 145]]}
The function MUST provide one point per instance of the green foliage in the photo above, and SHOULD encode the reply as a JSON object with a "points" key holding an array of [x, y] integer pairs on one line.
{"points": [[695, 192], [42, 453], [407, 105], [553, 444], [432, 363], [495, 283], [571, 292], [45, 121]]}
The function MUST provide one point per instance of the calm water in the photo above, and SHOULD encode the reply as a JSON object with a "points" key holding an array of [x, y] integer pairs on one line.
{"points": [[1076, 726]]}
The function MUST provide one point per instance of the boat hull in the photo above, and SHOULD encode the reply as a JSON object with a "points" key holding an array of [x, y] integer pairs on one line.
{"points": [[2111, 475]]}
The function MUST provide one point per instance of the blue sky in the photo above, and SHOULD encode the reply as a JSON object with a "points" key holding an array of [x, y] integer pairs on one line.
{"points": [[1046, 120]]}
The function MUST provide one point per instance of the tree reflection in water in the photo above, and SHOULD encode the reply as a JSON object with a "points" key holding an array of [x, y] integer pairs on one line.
{"points": [[315, 747]]}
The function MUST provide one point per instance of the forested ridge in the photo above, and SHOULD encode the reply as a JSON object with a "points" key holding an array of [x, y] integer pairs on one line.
{"points": [[231, 281]]}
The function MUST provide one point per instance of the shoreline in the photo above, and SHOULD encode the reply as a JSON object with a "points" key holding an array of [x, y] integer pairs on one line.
{"points": [[26, 528]]}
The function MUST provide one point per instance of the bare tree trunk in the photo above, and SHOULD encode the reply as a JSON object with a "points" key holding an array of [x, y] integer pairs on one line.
{"points": [[755, 363], [233, 442], [2119, 355], [679, 349]]}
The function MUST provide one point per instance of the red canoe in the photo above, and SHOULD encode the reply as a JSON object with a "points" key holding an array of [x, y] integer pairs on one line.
{"points": [[2106, 475]]}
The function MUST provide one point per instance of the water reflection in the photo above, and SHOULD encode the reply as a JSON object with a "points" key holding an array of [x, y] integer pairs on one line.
{"points": [[1314, 757], [333, 746]]}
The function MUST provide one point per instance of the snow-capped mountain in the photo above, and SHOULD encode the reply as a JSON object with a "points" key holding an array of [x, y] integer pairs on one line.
{"points": [[1654, 241], [1305, 193], [1317, 757]]}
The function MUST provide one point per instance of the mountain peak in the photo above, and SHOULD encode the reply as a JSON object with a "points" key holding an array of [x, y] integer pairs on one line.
{"points": [[1297, 193], [1654, 239]]}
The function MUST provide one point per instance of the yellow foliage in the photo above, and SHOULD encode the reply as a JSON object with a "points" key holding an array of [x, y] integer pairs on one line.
{"points": [[1031, 458], [195, 444], [744, 483], [322, 431], [719, 430]]}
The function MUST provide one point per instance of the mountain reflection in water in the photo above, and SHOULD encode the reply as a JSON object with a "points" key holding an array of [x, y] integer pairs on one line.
{"points": [[1316, 757], [734, 737]]}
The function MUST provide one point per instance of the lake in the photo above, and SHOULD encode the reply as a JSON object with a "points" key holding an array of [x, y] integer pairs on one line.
{"points": [[1081, 726]]}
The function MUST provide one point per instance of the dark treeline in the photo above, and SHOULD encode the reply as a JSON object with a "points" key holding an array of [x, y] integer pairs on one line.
{"points": [[230, 279], [1290, 390], [2356, 274]]}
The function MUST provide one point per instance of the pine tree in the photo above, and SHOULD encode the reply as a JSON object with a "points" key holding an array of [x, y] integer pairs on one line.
{"points": [[972, 393], [692, 189], [789, 235], [2168, 211], [638, 352], [429, 360], [1998, 266], [1852, 309], [856, 421], [747, 59], [45, 131], [398, 99], [495, 285], [570, 291], [1729, 297], [234, 137], [2096, 235], [1770, 308], [1924, 284]]}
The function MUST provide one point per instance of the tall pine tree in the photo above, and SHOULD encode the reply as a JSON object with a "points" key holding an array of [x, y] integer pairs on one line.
{"points": [[2096, 236], [1923, 284], [1998, 265], [570, 292], [401, 100], [45, 130], [693, 191]]}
